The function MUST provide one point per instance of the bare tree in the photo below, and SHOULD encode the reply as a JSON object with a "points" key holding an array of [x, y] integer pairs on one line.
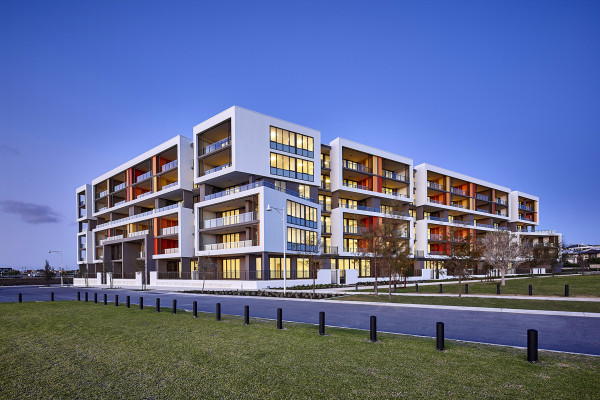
{"points": [[206, 264], [312, 252], [464, 256], [543, 254], [395, 251], [502, 250], [371, 248]]}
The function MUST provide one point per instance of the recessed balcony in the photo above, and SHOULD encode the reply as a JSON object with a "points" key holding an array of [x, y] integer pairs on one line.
{"points": [[111, 239], [434, 185], [458, 191], [169, 166], [120, 187], [525, 208], [172, 230], [356, 166], [141, 196], [231, 220], [482, 197], [217, 169], [172, 250], [216, 146], [143, 177], [138, 233], [230, 245]]}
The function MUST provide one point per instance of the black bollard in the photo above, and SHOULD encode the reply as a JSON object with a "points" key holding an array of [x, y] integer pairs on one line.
{"points": [[105, 299], [246, 315], [321, 323], [497, 288], [78, 296], [373, 335], [440, 288], [157, 304], [174, 311], [532, 345], [279, 323], [356, 286], [466, 288], [530, 290], [116, 300], [394, 287], [51, 296], [86, 297], [195, 309], [566, 290], [417, 287], [20, 297], [218, 311], [96, 298], [128, 302], [141, 303], [439, 333]]}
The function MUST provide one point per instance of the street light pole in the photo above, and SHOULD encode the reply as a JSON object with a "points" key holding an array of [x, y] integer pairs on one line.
{"points": [[280, 211], [61, 265]]}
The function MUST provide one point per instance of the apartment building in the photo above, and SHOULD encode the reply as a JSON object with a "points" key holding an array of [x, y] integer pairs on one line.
{"points": [[249, 188]]}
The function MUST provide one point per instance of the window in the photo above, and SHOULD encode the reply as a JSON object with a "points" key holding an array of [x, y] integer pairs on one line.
{"points": [[347, 203], [325, 161], [292, 167], [301, 240], [304, 191], [325, 182], [276, 268], [230, 213], [230, 238], [259, 267], [292, 142], [325, 202], [231, 268], [302, 270], [299, 214], [351, 245]]}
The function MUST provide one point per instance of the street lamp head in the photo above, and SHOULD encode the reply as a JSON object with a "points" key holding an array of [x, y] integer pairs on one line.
{"points": [[269, 208], [49, 251]]}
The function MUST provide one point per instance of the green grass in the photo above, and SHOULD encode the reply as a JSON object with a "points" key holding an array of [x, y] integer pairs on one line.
{"points": [[82, 350], [581, 285], [580, 306]]}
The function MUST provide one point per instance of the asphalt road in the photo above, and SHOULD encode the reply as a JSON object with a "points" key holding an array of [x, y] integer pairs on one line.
{"points": [[555, 332]]}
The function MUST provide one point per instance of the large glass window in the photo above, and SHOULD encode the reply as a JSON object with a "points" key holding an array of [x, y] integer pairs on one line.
{"points": [[231, 268], [258, 267], [302, 270], [276, 268], [299, 214], [292, 142], [292, 167], [301, 240]]}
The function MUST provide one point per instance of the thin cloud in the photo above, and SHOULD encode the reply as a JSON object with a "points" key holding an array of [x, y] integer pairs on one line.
{"points": [[30, 213], [8, 150]]}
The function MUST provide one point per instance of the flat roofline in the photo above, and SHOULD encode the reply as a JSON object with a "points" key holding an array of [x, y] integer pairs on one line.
{"points": [[234, 107], [157, 149], [372, 150], [529, 196], [464, 177]]}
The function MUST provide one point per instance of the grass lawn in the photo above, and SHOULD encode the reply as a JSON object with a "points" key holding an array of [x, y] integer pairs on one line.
{"points": [[581, 306], [83, 350], [580, 285]]}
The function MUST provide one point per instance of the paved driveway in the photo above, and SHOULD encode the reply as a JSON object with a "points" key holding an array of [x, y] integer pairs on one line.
{"points": [[556, 332]]}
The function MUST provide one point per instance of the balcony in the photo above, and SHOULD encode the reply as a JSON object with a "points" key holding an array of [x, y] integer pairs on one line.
{"points": [[525, 208], [120, 186], [103, 194], [119, 203], [437, 253], [141, 196], [484, 225], [482, 210], [500, 201], [249, 186], [217, 169], [457, 221], [458, 205], [394, 176], [329, 249], [145, 214], [436, 237], [230, 245], [111, 239], [143, 177], [356, 186], [434, 185], [356, 166], [231, 220], [525, 218], [326, 229], [172, 250], [170, 185], [216, 146], [169, 166], [434, 201], [138, 233], [482, 197], [353, 230], [81, 203], [102, 209], [325, 206], [172, 230], [437, 219], [458, 191]]}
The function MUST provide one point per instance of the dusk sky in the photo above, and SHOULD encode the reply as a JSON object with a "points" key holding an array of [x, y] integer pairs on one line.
{"points": [[508, 92]]}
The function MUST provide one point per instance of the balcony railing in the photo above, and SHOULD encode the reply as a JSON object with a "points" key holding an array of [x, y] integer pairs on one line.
{"points": [[395, 176], [434, 201], [120, 186], [172, 250], [434, 185], [145, 214], [484, 225], [325, 206], [356, 186], [103, 194], [172, 230], [458, 191], [437, 219], [500, 201], [140, 196], [216, 169], [102, 209], [482, 210], [231, 220], [457, 221], [525, 218], [169, 166], [230, 245], [356, 166], [436, 236], [217, 145], [351, 229], [143, 176], [170, 185], [351, 249], [482, 197], [249, 186], [436, 253], [326, 229], [110, 239], [458, 205], [329, 249], [138, 233], [118, 203], [325, 186], [525, 208]]}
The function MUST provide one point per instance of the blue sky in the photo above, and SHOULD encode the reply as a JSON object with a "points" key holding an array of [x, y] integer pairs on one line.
{"points": [[508, 92]]}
